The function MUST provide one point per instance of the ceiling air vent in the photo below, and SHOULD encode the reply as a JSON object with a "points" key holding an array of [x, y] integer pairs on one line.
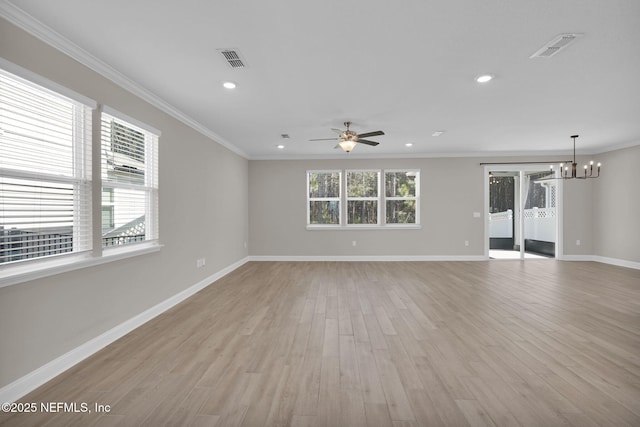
{"points": [[556, 45], [233, 58]]}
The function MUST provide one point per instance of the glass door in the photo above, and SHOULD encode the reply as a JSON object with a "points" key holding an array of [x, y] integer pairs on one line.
{"points": [[539, 214], [522, 212]]}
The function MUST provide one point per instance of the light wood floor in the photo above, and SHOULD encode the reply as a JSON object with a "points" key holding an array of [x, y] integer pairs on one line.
{"points": [[505, 343]]}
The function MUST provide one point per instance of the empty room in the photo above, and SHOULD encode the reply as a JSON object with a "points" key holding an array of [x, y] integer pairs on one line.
{"points": [[287, 213]]}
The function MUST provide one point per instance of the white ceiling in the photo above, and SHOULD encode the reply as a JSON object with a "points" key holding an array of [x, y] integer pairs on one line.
{"points": [[405, 67]]}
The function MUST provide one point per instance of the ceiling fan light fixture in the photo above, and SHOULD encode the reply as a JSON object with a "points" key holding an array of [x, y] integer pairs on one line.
{"points": [[229, 85], [347, 144]]}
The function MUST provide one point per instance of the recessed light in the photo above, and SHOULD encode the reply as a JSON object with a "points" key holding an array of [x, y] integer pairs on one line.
{"points": [[408, 144], [280, 147], [484, 78], [229, 85]]}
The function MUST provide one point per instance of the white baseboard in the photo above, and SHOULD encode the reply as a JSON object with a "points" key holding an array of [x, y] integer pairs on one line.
{"points": [[20, 387], [618, 262], [576, 258], [605, 260], [368, 258]]}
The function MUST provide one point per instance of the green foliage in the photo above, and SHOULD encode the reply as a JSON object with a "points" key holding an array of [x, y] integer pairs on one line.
{"points": [[324, 184], [401, 212], [324, 212], [362, 212], [362, 184], [400, 184]]}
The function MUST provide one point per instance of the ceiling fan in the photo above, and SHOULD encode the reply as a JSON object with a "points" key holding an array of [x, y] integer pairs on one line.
{"points": [[347, 139]]}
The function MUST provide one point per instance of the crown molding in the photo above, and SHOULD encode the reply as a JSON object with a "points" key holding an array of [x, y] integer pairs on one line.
{"points": [[26, 22], [616, 147]]}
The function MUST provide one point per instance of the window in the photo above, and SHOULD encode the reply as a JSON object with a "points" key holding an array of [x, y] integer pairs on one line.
{"points": [[129, 180], [372, 198], [45, 171], [46, 145], [401, 197], [324, 190], [362, 197]]}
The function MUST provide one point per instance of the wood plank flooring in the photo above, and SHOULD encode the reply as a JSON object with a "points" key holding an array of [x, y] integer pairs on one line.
{"points": [[497, 343]]}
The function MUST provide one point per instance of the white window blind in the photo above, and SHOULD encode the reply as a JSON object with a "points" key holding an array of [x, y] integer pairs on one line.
{"points": [[45, 172], [129, 181]]}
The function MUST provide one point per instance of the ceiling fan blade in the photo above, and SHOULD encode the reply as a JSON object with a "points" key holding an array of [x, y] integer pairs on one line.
{"points": [[368, 134], [337, 146], [365, 141], [338, 131], [323, 139]]}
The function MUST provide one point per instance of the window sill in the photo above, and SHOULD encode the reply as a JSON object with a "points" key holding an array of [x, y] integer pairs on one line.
{"points": [[364, 227], [39, 269]]}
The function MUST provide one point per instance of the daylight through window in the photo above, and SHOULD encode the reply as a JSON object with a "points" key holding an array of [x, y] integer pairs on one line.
{"points": [[45, 172], [129, 182], [369, 198], [324, 189]]}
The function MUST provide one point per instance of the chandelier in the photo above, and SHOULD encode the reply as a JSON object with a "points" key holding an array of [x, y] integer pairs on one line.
{"points": [[588, 169]]}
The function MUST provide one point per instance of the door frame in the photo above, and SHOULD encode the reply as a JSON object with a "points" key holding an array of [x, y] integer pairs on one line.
{"points": [[521, 168]]}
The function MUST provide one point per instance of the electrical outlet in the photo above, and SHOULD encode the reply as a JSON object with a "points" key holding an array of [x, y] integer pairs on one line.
{"points": [[466, 243], [578, 242], [354, 243]]}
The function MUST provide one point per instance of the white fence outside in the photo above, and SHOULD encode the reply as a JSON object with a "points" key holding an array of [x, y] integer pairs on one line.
{"points": [[539, 224], [501, 224]]}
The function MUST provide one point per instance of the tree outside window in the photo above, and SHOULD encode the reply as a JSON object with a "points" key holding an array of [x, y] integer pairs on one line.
{"points": [[324, 192]]}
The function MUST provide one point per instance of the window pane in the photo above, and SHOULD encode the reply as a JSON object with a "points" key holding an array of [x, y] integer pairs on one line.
{"points": [[400, 184], [122, 152], [36, 219], [362, 184], [36, 129], [324, 212], [324, 184], [129, 176], [401, 211], [362, 212], [127, 214], [45, 167], [127, 141]]}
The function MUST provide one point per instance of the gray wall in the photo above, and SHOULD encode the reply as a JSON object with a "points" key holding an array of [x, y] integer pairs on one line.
{"points": [[277, 223], [203, 213], [601, 213], [451, 190], [616, 206]]}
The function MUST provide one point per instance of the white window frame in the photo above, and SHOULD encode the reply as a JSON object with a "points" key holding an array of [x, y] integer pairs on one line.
{"points": [[377, 199], [36, 268], [382, 201], [416, 198], [150, 185], [326, 199]]}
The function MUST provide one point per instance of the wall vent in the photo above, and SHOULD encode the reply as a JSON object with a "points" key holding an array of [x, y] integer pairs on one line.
{"points": [[556, 45], [233, 58]]}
